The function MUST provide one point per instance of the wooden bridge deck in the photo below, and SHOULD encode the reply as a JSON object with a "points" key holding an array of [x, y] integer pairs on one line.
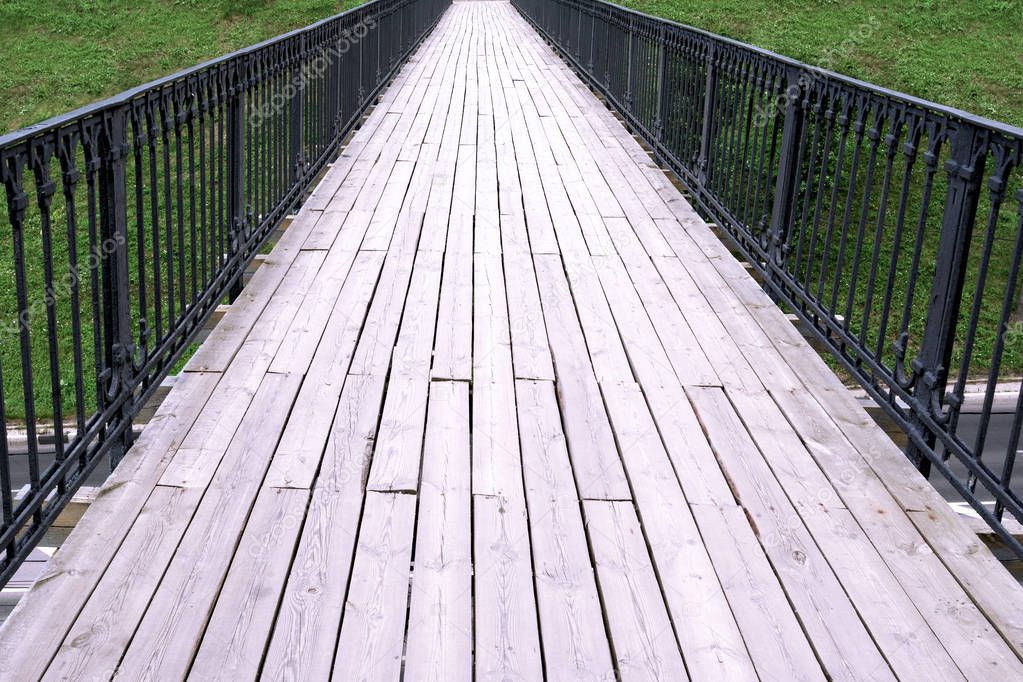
{"points": [[501, 406]]}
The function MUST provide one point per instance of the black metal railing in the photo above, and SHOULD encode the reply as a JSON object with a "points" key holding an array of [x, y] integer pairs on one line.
{"points": [[132, 218], [892, 226]]}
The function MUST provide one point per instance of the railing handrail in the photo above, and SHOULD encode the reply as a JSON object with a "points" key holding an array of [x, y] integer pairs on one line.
{"points": [[125, 96], [861, 208], [960, 114]]}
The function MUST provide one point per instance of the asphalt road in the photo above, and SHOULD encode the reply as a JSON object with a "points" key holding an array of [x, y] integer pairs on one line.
{"points": [[995, 447]]}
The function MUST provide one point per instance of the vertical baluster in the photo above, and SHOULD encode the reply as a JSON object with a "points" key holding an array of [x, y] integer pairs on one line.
{"points": [[787, 183], [17, 205], [1008, 304], [70, 175], [628, 64], [235, 153], [190, 113], [661, 95], [997, 181], [41, 157], [708, 116], [6, 485]]}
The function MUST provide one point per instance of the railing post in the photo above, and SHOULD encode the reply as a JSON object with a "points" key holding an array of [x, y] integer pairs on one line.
{"points": [[708, 114], [628, 64], [296, 112], [118, 339], [788, 163], [607, 48], [965, 168], [577, 10], [662, 53], [236, 175], [592, 14]]}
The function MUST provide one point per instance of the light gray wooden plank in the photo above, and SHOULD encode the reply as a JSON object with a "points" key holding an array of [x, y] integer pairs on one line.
{"points": [[842, 642], [775, 640], [491, 336], [169, 634], [440, 613], [507, 641], [310, 319], [371, 641], [206, 442], [710, 641], [399, 445], [239, 629], [105, 626], [531, 354], [36, 628], [641, 633], [496, 464], [591, 443], [305, 633], [575, 644], [452, 357], [603, 339], [298, 453], [414, 348]]}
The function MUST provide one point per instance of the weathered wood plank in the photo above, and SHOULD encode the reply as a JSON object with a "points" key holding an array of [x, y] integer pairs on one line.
{"points": [[771, 629], [644, 643], [399, 445], [371, 641], [239, 629], [36, 628], [169, 634], [298, 453], [305, 632], [506, 634], [440, 627], [531, 354], [105, 626], [704, 625], [590, 440], [842, 642], [575, 644], [491, 336]]}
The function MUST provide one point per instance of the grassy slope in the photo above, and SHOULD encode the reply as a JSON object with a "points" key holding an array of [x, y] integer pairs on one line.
{"points": [[61, 54], [964, 53]]}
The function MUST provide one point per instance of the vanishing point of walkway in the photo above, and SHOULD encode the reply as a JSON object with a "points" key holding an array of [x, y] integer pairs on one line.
{"points": [[500, 406]]}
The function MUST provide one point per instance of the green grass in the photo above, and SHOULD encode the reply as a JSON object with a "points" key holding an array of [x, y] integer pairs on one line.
{"points": [[962, 53], [62, 54]]}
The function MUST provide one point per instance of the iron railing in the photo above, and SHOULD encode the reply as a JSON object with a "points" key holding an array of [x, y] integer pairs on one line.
{"points": [[892, 226], [132, 218]]}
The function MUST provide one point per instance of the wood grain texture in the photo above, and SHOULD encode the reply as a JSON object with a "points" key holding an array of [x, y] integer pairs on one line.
{"points": [[575, 644], [644, 642], [371, 641], [239, 628], [440, 626], [507, 638], [500, 405]]}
